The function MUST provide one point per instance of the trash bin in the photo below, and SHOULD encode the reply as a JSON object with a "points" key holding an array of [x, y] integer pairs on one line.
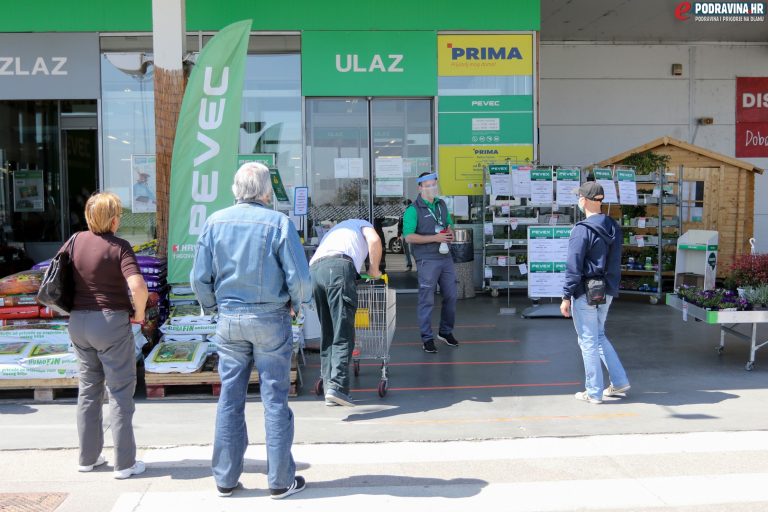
{"points": [[463, 253]]}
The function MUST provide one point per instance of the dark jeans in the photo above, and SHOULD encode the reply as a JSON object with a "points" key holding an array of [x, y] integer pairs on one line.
{"points": [[431, 273], [335, 290]]}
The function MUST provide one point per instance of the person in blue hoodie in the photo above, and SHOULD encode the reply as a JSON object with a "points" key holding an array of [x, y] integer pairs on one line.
{"points": [[594, 251]]}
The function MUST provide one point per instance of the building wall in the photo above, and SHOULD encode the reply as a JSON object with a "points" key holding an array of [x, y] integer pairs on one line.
{"points": [[598, 100]]}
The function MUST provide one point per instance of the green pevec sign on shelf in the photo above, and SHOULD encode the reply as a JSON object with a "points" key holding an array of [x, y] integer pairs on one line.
{"points": [[369, 63], [485, 119]]}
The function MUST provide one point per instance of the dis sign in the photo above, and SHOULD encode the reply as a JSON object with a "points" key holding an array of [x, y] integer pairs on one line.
{"points": [[484, 55]]}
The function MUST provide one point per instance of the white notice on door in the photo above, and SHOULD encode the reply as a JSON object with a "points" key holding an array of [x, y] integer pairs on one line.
{"points": [[485, 124]]}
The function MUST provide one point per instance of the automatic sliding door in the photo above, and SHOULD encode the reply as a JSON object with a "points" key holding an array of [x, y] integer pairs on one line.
{"points": [[338, 160]]}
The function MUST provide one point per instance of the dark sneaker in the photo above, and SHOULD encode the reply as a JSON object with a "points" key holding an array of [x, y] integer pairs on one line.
{"points": [[225, 492], [429, 347], [333, 395], [448, 339], [298, 485]]}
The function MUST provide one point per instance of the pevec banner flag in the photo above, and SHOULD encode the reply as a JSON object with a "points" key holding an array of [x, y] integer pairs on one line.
{"points": [[206, 143]]}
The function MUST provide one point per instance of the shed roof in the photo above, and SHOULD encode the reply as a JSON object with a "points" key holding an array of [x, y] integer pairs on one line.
{"points": [[669, 141]]}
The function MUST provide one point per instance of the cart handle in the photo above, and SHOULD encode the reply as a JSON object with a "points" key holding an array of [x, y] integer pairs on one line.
{"points": [[369, 279]]}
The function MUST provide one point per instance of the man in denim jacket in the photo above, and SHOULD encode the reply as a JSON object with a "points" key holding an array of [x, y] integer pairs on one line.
{"points": [[250, 263]]}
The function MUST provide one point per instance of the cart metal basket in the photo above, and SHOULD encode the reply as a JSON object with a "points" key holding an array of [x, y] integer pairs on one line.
{"points": [[375, 322]]}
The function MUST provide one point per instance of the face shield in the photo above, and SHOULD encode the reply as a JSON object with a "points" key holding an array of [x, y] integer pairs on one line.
{"points": [[429, 187]]}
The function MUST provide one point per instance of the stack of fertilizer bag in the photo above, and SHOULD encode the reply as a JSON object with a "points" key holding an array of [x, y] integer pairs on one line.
{"points": [[154, 270], [184, 345]]}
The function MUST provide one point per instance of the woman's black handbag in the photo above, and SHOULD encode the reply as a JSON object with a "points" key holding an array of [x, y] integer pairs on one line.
{"points": [[57, 290]]}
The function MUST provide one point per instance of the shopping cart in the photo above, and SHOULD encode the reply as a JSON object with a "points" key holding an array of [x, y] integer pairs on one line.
{"points": [[375, 321]]}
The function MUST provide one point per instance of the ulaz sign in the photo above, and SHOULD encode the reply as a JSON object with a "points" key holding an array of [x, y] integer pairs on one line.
{"points": [[352, 63], [377, 63]]}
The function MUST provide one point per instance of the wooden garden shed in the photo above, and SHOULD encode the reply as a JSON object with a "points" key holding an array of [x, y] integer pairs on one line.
{"points": [[717, 193]]}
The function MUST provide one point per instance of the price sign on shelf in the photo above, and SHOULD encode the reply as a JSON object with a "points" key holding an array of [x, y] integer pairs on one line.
{"points": [[513, 222], [640, 239], [523, 269], [641, 222]]}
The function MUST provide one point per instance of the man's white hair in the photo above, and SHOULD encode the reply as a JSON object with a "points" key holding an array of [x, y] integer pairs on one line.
{"points": [[252, 183]]}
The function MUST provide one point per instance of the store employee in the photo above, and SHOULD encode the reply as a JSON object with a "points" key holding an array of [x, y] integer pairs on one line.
{"points": [[427, 227]]}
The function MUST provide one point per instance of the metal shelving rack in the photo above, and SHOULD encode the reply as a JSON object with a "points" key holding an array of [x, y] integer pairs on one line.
{"points": [[668, 197]]}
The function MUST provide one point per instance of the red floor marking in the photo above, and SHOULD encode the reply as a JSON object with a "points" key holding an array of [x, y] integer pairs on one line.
{"points": [[488, 386], [455, 326], [414, 343], [438, 363]]}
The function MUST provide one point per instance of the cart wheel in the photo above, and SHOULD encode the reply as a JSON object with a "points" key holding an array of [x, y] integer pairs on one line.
{"points": [[383, 388], [654, 300], [356, 365], [319, 387], [720, 350], [494, 292], [749, 367]]}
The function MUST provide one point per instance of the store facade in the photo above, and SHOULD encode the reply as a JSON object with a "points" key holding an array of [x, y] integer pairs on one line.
{"points": [[353, 103]]}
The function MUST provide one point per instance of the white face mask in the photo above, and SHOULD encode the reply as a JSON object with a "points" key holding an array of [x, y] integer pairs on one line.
{"points": [[429, 193]]}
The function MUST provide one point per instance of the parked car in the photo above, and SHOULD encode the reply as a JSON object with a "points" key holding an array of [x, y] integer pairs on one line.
{"points": [[392, 242]]}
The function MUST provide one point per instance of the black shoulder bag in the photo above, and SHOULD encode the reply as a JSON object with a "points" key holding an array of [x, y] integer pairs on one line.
{"points": [[57, 290], [594, 287]]}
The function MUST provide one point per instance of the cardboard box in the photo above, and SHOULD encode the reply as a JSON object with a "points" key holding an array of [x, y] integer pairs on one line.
{"points": [[690, 279]]}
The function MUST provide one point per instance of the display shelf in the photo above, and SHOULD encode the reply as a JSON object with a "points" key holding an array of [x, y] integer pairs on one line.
{"points": [[657, 233]]}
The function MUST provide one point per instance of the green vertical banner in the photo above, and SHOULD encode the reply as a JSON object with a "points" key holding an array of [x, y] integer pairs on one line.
{"points": [[206, 138]]}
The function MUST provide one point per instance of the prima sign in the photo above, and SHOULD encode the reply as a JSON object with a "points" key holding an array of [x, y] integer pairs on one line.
{"points": [[16, 66]]}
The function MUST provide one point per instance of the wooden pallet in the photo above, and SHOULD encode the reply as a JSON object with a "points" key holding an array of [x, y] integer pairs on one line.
{"points": [[44, 389], [190, 385]]}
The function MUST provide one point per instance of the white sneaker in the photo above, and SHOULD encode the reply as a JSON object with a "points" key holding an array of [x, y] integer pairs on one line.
{"points": [[613, 391], [86, 469], [582, 395], [137, 469]]}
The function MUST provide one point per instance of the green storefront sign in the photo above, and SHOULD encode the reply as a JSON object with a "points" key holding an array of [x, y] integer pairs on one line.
{"points": [[369, 63], [485, 119]]}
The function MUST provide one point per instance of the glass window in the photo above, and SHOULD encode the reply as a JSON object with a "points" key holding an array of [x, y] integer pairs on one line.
{"points": [[128, 129], [30, 178], [693, 201], [271, 117]]}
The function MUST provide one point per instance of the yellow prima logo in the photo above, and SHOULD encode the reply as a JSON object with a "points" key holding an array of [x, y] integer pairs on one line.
{"points": [[485, 55]]}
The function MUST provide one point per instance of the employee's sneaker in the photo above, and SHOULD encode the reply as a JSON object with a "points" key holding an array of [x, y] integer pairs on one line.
{"points": [[137, 469], [582, 395], [429, 347], [338, 397], [226, 492], [298, 485], [449, 340], [613, 390], [86, 469]]}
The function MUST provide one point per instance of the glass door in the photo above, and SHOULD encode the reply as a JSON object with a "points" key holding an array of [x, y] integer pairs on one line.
{"points": [[363, 157]]}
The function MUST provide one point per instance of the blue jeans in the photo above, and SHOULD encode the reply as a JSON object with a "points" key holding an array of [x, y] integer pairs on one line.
{"points": [[266, 340], [431, 273], [595, 346]]}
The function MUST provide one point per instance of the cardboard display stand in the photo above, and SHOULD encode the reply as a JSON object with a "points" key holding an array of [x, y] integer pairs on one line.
{"points": [[696, 263]]}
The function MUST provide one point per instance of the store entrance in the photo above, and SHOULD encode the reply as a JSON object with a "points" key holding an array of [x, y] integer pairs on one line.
{"points": [[363, 157], [80, 164]]}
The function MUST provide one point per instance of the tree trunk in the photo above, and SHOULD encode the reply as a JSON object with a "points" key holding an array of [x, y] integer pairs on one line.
{"points": [[169, 91]]}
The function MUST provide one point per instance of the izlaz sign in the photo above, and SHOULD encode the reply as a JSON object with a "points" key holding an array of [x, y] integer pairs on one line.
{"points": [[369, 63]]}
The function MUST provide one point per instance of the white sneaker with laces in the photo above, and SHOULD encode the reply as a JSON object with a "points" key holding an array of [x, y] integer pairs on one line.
{"points": [[137, 469], [583, 396], [613, 391], [86, 469]]}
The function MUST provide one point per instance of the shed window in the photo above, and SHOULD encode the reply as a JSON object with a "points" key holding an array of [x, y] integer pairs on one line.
{"points": [[693, 201]]}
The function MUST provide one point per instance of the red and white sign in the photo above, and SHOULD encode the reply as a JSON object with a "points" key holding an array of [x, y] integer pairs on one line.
{"points": [[751, 117]]}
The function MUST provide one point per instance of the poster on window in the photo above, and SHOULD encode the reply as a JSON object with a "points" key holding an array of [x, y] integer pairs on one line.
{"points": [[28, 191], [143, 196]]}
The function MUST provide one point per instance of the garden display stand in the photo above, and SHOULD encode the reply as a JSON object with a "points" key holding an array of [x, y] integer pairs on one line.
{"points": [[728, 322]]}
